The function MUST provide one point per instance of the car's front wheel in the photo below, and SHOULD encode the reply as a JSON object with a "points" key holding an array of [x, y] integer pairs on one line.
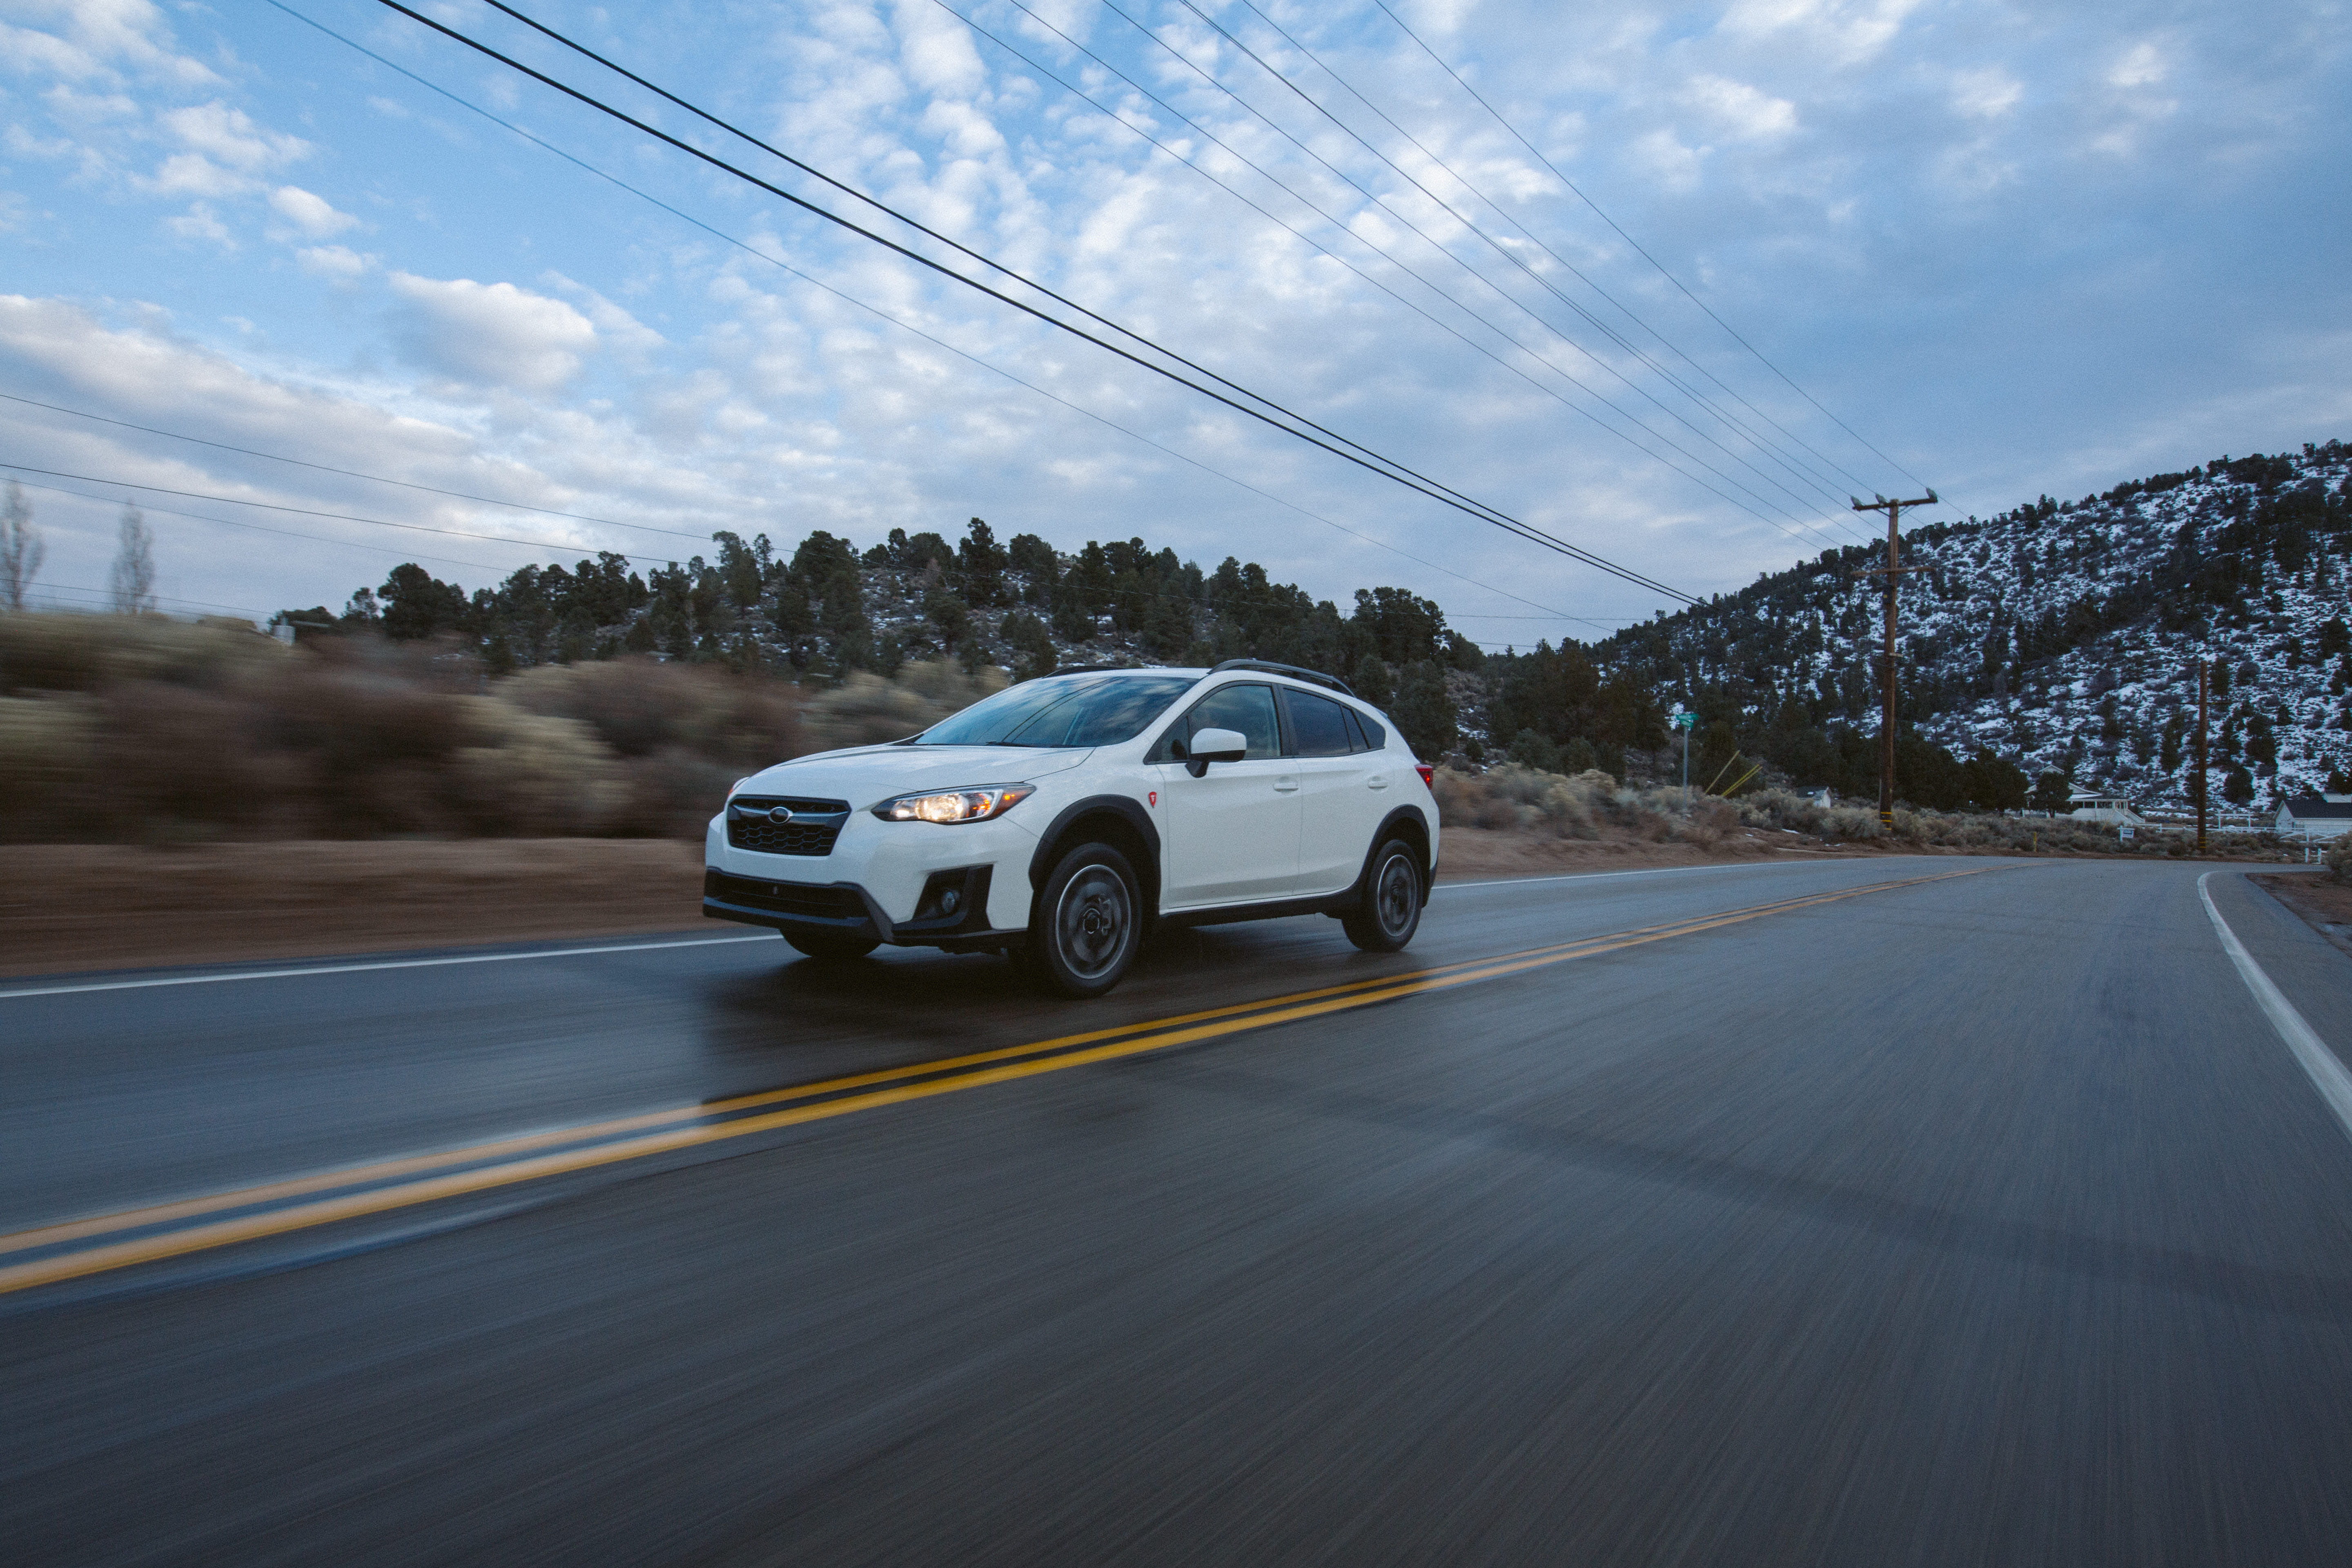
{"points": [[831, 946], [1088, 921], [1389, 911]]}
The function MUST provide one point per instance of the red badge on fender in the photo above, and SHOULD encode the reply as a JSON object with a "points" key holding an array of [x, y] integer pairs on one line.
{"points": [[1155, 798]]}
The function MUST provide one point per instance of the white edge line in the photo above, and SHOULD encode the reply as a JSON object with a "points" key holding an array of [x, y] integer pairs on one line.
{"points": [[1663, 871], [360, 968], [2328, 1074]]}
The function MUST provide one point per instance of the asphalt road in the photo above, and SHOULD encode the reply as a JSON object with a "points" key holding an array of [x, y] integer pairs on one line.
{"points": [[1861, 1211]]}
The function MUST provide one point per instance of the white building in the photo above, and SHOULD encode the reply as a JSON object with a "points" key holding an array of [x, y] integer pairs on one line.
{"points": [[2097, 805], [2315, 816]]}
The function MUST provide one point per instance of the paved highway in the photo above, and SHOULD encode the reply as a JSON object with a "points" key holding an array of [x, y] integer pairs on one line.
{"points": [[1852, 1212]]}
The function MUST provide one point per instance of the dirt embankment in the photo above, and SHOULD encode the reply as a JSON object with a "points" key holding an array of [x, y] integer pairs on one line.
{"points": [[67, 907]]}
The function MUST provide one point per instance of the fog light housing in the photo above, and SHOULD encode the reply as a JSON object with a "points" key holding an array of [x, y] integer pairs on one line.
{"points": [[957, 898]]}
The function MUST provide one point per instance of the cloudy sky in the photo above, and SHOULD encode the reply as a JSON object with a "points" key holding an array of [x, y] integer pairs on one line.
{"points": [[2002, 249]]}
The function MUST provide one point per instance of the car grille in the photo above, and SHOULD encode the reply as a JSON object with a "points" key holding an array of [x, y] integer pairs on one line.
{"points": [[785, 898], [815, 824]]}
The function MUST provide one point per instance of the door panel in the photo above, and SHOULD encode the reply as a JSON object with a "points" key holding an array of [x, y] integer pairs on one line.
{"points": [[1338, 810], [1231, 834]]}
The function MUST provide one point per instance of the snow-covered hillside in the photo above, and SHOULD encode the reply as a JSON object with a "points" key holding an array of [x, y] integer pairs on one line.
{"points": [[2066, 635]]}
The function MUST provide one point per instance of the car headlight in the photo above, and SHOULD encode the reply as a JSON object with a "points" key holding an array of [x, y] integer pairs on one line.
{"points": [[956, 804]]}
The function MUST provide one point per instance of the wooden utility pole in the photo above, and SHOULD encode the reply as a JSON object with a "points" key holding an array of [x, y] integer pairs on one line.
{"points": [[1893, 572], [2197, 785]]}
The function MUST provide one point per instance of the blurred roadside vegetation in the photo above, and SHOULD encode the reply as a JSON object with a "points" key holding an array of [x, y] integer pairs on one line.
{"points": [[1592, 804], [139, 729]]}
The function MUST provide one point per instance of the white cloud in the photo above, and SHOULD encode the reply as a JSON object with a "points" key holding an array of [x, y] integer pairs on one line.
{"points": [[1850, 31], [1986, 94], [1748, 113], [198, 222], [492, 334], [1667, 161], [193, 174], [82, 40], [2142, 66], [334, 262], [229, 136], [311, 213]]}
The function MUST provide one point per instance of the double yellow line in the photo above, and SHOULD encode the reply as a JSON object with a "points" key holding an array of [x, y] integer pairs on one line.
{"points": [[426, 1178]]}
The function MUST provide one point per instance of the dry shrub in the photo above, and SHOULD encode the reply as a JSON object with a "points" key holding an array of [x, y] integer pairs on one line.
{"points": [[47, 760], [641, 706], [1511, 797], [867, 710], [533, 776], [2338, 858], [683, 732], [66, 652]]}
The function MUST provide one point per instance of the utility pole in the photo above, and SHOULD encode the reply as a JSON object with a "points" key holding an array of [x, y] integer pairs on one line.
{"points": [[1893, 572], [2197, 785]]}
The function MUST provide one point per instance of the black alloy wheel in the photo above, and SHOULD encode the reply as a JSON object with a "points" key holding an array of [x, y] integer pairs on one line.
{"points": [[832, 947], [1389, 912], [1089, 921]]}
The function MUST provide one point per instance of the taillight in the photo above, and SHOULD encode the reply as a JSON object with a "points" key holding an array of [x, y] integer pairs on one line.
{"points": [[1428, 774]]}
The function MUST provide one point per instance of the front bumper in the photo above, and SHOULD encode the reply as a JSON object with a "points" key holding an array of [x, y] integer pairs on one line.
{"points": [[882, 881]]}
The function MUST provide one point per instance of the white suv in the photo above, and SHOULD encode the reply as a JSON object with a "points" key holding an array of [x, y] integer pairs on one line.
{"points": [[1059, 818]]}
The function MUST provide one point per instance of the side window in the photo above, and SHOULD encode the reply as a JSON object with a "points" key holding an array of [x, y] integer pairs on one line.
{"points": [[1369, 735], [1248, 708], [1317, 725]]}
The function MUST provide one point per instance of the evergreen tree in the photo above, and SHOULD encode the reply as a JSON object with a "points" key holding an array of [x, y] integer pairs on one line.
{"points": [[1424, 712]]}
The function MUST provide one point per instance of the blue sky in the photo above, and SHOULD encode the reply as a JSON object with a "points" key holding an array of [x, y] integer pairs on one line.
{"points": [[2008, 249]]}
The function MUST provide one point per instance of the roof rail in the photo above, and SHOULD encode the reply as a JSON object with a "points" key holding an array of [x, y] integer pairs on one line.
{"points": [[1315, 675], [1092, 669]]}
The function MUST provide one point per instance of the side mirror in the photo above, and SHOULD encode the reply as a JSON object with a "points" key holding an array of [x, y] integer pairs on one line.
{"points": [[1214, 746]]}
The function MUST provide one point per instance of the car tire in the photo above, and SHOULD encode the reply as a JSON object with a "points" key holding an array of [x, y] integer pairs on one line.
{"points": [[1088, 922], [1389, 912], [833, 947]]}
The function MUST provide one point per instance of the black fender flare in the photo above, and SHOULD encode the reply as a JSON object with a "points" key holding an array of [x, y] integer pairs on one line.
{"points": [[1388, 831], [1125, 807]]}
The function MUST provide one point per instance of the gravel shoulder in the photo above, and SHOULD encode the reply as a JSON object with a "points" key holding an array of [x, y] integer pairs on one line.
{"points": [[2324, 903]]}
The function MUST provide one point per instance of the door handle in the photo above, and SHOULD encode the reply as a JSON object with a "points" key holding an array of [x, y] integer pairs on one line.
{"points": [[1286, 784], [1378, 781]]}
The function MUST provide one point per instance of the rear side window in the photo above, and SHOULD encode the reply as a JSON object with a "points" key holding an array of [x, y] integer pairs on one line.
{"points": [[1248, 708], [1319, 725], [1370, 736]]}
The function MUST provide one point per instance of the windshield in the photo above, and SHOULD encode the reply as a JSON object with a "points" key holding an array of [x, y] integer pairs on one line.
{"points": [[1068, 711]]}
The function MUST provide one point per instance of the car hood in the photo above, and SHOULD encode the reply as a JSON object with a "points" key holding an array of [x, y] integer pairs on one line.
{"points": [[867, 775]]}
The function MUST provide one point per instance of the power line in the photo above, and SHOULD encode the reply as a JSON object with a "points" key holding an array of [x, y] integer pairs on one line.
{"points": [[347, 473], [303, 511], [1803, 472], [1434, 244], [108, 593], [1371, 461], [257, 528], [1654, 261], [883, 315], [1471, 224], [1340, 226]]}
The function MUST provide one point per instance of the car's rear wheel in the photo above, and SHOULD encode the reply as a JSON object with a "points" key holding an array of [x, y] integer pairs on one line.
{"points": [[836, 947], [1389, 911], [1088, 921]]}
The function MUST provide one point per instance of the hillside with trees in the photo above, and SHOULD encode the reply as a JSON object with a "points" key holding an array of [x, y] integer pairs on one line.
{"points": [[2048, 647]]}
